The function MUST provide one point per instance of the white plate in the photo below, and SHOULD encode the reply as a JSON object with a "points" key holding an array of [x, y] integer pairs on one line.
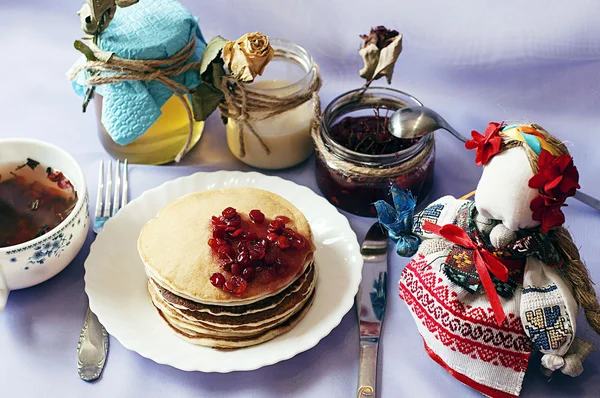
{"points": [[115, 281]]}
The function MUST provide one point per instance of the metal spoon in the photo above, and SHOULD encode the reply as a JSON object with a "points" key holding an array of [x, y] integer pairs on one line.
{"points": [[416, 121]]}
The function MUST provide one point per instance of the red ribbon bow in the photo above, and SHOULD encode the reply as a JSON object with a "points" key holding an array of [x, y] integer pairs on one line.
{"points": [[485, 262]]}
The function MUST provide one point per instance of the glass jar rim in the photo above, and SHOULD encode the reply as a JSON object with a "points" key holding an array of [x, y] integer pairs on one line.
{"points": [[289, 50], [362, 158]]}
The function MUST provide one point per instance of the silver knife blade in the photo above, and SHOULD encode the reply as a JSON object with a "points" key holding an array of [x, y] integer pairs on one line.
{"points": [[370, 305], [371, 298]]}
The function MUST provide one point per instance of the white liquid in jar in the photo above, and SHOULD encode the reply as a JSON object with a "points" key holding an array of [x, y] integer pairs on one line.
{"points": [[287, 135]]}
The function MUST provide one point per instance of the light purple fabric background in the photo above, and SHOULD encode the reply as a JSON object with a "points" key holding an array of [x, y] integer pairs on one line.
{"points": [[473, 61]]}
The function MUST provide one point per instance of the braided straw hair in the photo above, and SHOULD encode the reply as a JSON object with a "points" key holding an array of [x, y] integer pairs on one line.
{"points": [[573, 269]]}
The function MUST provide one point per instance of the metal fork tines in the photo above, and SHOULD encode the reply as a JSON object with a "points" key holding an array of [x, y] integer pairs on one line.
{"points": [[110, 199], [93, 340]]}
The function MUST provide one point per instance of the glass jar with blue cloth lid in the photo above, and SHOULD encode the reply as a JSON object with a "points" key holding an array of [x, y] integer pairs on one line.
{"points": [[141, 68]]}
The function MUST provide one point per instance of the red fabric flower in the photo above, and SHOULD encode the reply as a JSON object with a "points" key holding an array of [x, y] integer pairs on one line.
{"points": [[547, 211], [557, 176], [486, 145], [557, 179]]}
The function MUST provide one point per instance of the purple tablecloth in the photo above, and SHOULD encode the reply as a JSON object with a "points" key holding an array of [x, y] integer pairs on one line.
{"points": [[473, 62]]}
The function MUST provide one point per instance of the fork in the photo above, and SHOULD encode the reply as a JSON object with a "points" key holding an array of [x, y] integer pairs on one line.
{"points": [[93, 340]]}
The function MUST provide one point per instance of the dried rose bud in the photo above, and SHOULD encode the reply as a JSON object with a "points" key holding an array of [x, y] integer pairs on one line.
{"points": [[380, 36]]}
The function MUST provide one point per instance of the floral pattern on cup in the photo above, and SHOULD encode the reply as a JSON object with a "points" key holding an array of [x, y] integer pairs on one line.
{"points": [[51, 248], [55, 243]]}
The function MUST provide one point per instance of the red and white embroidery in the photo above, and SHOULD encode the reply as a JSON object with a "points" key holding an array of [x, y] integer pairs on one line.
{"points": [[461, 334]]}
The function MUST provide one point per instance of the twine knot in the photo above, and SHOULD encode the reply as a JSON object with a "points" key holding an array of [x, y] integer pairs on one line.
{"points": [[245, 105]]}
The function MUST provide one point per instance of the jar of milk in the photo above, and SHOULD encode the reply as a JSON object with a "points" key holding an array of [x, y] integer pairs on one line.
{"points": [[283, 140]]}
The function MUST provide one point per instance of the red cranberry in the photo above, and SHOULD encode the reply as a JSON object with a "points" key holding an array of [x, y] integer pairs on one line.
{"points": [[229, 286], [257, 253], [282, 219], [257, 216], [226, 266], [229, 212], [235, 221], [219, 231], [239, 284], [236, 269], [249, 236], [248, 274], [213, 243], [225, 252], [299, 243], [217, 279], [275, 226], [283, 242], [272, 237], [270, 259], [243, 258], [291, 233]]}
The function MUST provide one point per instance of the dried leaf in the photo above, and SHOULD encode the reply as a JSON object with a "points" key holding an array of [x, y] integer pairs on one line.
{"points": [[214, 73], [370, 56], [212, 52], [92, 55], [387, 59], [205, 100], [85, 50], [32, 164]]}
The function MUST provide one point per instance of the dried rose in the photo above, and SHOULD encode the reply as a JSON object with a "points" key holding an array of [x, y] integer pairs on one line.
{"points": [[380, 52], [248, 56], [380, 36]]}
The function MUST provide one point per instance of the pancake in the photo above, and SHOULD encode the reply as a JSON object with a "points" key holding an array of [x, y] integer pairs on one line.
{"points": [[219, 234], [237, 342], [175, 253], [239, 324], [269, 303], [239, 331]]}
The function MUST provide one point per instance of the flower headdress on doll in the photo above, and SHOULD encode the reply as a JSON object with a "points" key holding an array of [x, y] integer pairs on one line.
{"points": [[554, 179]]}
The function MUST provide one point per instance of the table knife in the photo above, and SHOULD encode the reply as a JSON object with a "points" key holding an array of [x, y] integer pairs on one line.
{"points": [[370, 305]]}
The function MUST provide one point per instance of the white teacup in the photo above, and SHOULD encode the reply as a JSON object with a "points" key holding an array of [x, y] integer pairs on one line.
{"points": [[39, 259]]}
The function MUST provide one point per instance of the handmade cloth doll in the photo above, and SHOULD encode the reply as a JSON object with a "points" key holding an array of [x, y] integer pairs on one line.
{"points": [[493, 279]]}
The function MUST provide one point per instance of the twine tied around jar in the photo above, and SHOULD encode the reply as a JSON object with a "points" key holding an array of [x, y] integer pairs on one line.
{"points": [[106, 68], [353, 171], [244, 105]]}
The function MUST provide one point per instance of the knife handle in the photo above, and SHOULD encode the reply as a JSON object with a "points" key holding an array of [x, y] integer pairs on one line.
{"points": [[367, 368]]}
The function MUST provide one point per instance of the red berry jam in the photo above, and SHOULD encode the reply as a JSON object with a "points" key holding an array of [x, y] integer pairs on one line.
{"points": [[252, 248], [356, 194], [358, 159]]}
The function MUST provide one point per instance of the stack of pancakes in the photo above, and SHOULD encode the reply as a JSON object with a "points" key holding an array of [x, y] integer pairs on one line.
{"points": [[179, 263]]}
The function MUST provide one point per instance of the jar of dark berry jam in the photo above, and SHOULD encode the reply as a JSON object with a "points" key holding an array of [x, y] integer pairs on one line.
{"points": [[358, 159]]}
